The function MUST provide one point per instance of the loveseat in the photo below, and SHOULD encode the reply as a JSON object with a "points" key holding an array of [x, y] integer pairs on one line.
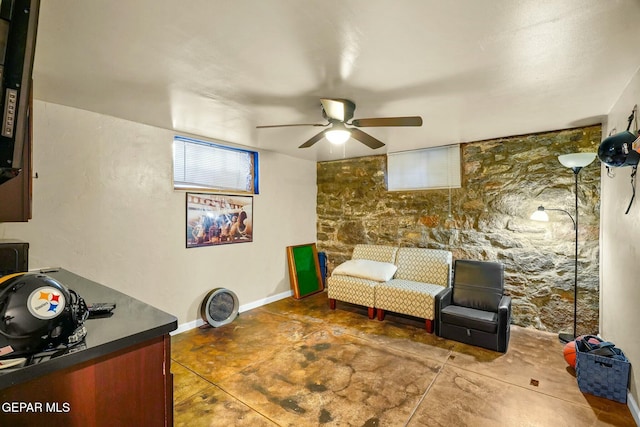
{"points": [[388, 278]]}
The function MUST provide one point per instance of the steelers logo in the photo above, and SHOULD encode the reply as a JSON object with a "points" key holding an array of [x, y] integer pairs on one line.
{"points": [[46, 303]]}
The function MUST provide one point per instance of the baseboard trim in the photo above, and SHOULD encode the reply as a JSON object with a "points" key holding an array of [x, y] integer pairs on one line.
{"points": [[265, 301], [633, 407], [184, 327]]}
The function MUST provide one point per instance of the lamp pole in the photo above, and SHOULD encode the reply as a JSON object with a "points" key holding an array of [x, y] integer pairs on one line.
{"points": [[575, 161], [566, 337]]}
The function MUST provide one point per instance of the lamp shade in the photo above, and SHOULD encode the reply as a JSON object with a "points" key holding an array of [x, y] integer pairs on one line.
{"points": [[577, 160], [617, 150], [338, 134], [540, 215]]}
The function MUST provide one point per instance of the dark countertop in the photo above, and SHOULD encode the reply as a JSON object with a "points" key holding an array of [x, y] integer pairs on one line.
{"points": [[132, 322]]}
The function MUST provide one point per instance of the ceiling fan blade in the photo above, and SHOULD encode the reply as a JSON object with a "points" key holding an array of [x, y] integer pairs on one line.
{"points": [[388, 121], [283, 126], [338, 109], [365, 138], [313, 140]]}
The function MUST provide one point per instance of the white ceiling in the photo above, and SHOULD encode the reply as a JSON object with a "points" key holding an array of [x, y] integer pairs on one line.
{"points": [[473, 69]]}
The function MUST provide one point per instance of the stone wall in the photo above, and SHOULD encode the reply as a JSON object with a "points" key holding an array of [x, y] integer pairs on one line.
{"points": [[503, 181]]}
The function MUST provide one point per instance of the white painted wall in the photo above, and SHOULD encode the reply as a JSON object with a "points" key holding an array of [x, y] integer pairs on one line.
{"points": [[104, 207], [620, 247]]}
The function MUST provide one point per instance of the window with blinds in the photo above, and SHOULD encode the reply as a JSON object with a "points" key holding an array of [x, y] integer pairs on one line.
{"points": [[431, 168], [204, 165]]}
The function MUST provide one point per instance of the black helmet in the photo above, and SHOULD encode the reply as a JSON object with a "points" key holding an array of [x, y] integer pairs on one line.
{"points": [[37, 312], [617, 150]]}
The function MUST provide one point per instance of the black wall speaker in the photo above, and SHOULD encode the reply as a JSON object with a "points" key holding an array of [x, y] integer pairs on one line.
{"points": [[219, 307]]}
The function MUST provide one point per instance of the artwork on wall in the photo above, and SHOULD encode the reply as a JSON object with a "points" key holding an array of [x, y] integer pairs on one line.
{"points": [[218, 219], [304, 270]]}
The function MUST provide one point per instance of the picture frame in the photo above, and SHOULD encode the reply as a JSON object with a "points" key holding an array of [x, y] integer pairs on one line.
{"points": [[304, 270], [218, 219]]}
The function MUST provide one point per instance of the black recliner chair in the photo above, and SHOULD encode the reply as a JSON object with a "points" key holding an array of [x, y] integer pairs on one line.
{"points": [[474, 310]]}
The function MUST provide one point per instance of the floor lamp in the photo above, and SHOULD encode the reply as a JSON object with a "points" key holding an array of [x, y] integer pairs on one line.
{"points": [[575, 161]]}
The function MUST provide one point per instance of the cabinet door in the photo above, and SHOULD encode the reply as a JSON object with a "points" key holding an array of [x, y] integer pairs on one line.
{"points": [[131, 387]]}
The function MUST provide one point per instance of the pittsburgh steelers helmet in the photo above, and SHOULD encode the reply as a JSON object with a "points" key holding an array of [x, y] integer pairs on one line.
{"points": [[36, 313], [617, 150]]}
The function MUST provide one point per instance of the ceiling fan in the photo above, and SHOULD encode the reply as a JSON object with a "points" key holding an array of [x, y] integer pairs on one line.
{"points": [[338, 112]]}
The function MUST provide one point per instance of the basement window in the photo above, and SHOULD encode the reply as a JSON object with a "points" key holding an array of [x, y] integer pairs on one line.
{"points": [[201, 165], [427, 169]]}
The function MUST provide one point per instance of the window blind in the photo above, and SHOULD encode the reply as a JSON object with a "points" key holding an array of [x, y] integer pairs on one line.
{"points": [[199, 164], [430, 168]]}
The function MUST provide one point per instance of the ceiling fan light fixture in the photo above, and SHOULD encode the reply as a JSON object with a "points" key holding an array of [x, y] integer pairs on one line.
{"points": [[338, 134], [339, 111]]}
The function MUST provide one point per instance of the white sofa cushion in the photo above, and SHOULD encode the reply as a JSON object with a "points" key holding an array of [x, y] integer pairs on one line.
{"points": [[367, 269]]}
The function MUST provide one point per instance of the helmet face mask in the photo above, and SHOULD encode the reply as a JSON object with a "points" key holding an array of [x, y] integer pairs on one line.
{"points": [[618, 151], [36, 313]]}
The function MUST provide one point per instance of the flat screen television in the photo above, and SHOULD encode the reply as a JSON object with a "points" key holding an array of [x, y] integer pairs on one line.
{"points": [[18, 28]]}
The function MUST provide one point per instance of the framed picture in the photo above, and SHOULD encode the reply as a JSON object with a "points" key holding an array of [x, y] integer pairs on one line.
{"points": [[218, 219], [304, 270]]}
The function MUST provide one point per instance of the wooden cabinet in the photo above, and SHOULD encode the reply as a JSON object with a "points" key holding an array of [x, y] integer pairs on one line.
{"points": [[131, 387]]}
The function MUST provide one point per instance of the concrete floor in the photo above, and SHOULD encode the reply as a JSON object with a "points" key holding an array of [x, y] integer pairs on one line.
{"points": [[297, 363]]}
